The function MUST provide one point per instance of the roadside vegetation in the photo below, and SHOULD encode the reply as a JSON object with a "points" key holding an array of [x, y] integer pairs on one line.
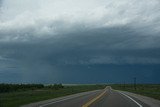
{"points": [[150, 90], [14, 95]]}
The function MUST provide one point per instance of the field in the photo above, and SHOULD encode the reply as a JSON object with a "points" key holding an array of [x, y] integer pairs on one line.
{"points": [[21, 97], [150, 90], [16, 95]]}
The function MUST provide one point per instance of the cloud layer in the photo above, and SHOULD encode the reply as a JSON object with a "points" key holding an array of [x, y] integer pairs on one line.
{"points": [[22, 20], [52, 37]]}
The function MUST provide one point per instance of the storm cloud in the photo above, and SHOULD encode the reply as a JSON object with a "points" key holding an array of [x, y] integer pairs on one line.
{"points": [[62, 41]]}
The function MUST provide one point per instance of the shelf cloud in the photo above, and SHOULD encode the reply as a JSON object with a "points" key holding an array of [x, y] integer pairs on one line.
{"points": [[52, 37]]}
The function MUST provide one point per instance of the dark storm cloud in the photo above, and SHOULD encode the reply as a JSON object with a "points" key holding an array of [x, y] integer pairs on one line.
{"points": [[48, 43], [52, 58], [113, 45]]}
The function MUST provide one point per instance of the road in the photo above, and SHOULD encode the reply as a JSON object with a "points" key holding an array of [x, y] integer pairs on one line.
{"points": [[117, 99], [100, 98]]}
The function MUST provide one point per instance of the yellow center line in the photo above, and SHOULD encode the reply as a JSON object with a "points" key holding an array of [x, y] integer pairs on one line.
{"points": [[94, 99]]}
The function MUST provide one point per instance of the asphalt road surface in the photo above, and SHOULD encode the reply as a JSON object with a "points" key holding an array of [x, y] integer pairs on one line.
{"points": [[100, 98], [117, 99]]}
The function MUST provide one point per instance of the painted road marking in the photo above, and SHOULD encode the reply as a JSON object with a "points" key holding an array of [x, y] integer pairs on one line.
{"points": [[57, 101], [94, 99], [68, 98], [131, 99]]}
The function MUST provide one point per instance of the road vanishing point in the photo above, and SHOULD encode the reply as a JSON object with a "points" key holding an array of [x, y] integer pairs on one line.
{"points": [[100, 98]]}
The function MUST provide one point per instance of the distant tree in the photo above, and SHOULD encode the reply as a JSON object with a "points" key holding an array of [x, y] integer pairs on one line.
{"points": [[16, 87]]}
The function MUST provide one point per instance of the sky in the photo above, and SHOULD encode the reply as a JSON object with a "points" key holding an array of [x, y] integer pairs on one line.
{"points": [[79, 41]]}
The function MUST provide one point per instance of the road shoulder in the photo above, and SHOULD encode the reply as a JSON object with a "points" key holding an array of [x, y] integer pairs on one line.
{"points": [[147, 100]]}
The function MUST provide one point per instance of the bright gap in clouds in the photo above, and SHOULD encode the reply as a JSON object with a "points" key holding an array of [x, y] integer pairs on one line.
{"points": [[45, 18]]}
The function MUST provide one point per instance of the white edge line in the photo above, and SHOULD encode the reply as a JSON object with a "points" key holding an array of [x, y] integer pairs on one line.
{"points": [[66, 99], [57, 101], [131, 99]]}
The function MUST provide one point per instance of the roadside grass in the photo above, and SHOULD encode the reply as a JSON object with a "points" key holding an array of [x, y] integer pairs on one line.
{"points": [[16, 99], [150, 90]]}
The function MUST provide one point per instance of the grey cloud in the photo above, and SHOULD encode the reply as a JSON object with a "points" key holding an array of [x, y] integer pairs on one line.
{"points": [[59, 46], [114, 45], [22, 23], [70, 57]]}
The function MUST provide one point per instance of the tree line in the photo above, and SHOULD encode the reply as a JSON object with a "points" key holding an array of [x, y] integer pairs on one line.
{"points": [[19, 87]]}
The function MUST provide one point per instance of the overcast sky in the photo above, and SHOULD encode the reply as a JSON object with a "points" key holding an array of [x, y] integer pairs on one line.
{"points": [[79, 41]]}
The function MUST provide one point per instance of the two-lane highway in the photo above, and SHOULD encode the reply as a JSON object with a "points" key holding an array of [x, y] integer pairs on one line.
{"points": [[75, 101], [117, 99], [100, 98]]}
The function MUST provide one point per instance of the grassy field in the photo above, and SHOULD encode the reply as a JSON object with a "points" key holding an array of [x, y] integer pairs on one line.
{"points": [[150, 90], [15, 99], [21, 97]]}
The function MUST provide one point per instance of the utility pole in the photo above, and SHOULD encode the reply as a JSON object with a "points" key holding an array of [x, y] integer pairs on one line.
{"points": [[135, 88]]}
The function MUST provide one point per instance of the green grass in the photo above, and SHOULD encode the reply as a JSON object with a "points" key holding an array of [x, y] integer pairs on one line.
{"points": [[150, 90], [15, 99]]}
